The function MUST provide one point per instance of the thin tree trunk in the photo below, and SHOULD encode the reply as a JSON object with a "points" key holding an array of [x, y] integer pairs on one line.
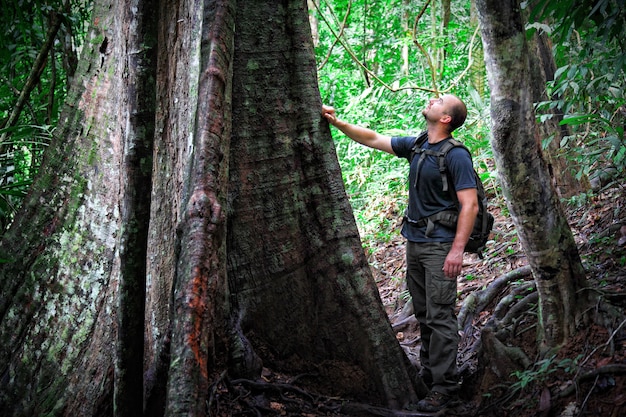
{"points": [[524, 175], [406, 21], [445, 22], [313, 5], [34, 76], [477, 73]]}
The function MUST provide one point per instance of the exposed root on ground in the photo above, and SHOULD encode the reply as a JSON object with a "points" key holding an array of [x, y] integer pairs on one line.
{"points": [[494, 364], [477, 301]]}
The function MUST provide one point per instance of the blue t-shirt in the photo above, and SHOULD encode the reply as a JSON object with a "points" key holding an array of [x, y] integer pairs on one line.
{"points": [[427, 196]]}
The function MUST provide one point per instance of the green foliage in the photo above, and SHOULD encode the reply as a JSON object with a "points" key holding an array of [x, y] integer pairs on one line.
{"points": [[376, 75], [19, 165], [26, 130], [539, 373], [588, 86], [605, 16]]}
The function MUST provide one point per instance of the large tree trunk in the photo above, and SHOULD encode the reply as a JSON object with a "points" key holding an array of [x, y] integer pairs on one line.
{"points": [[298, 276], [139, 92], [186, 311], [524, 175], [250, 255], [60, 289]]}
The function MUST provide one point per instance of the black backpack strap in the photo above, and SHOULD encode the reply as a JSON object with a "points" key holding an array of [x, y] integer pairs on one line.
{"points": [[447, 218], [450, 143], [442, 165], [417, 149], [419, 141], [423, 153]]}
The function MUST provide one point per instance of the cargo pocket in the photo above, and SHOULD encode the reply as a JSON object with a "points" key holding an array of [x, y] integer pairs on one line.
{"points": [[443, 291]]}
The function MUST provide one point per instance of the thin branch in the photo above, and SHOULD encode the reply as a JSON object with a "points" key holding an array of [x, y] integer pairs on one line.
{"points": [[53, 69], [422, 49], [35, 72], [593, 387], [342, 27], [605, 344]]}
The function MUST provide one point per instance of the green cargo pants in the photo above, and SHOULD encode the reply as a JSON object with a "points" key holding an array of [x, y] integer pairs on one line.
{"points": [[434, 297]]}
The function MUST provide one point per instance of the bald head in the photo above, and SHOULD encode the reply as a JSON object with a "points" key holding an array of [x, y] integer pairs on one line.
{"points": [[456, 109]]}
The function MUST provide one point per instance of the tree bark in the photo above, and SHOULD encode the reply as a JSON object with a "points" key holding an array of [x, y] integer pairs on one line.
{"points": [[298, 276], [60, 290], [137, 117], [249, 256], [198, 344], [524, 176]]}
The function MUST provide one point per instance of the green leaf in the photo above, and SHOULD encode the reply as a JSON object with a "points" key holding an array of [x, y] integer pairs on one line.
{"points": [[578, 119]]}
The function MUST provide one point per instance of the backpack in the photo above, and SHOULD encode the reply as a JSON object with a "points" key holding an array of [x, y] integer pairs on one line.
{"points": [[484, 220]]}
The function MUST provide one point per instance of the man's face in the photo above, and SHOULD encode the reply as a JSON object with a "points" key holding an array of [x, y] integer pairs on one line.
{"points": [[435, 109]]}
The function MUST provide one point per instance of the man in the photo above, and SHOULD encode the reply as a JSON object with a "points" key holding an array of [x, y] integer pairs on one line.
{"points": [[434, 253]]}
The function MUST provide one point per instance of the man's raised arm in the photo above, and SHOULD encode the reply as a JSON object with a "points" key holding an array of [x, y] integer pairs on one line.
{"points": [[359, 134]]}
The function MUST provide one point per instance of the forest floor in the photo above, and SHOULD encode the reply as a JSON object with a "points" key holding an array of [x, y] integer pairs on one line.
{"points": [[587, 377]]}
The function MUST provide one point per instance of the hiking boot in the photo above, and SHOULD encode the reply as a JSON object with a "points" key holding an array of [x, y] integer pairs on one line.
{"points": [[435, 401]]}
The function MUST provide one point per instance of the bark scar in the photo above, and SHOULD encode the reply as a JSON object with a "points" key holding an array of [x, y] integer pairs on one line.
{"points": [[203, 204]]}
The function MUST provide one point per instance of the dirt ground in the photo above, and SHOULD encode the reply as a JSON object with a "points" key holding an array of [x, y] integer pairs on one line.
{"points": [[587, 377]]}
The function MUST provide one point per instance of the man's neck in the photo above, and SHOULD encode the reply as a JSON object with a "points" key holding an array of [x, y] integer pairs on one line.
{"points": [[436, 134]]}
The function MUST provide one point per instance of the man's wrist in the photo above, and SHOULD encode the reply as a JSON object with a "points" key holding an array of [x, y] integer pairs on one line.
{"points": [[341, 124], [457, 249]]}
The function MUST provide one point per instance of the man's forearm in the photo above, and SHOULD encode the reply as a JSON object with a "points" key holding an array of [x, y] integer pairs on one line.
{"points": [[365, 136], [464, 226], [360, 134]]}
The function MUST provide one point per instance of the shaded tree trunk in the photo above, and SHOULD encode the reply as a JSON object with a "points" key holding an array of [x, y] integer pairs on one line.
{"points": [[314, 5], [249, 256], [137, 119], [524, 175], [442, 53], [298, 277], [543, 68]]}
